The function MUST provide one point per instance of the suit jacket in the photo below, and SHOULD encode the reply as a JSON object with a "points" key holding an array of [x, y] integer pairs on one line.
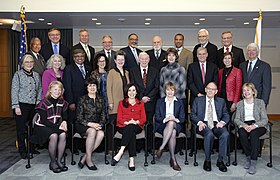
{"points": [[185, 58], [238, 57], [48, 77], [260, 77], [199, 108], [152, 87], [157, 63], [112, 63], [233, 84], [91, 50], [47, 51], [212, 50], [130, 61], [195, 82], [74, 83], [39, 63], [160, 114], [259, 113]]}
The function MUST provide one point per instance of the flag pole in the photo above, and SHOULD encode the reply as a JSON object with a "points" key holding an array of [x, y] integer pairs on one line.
{"points": [[258, 33]]}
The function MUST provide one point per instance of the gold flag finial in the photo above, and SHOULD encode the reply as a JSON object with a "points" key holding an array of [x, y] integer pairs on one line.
{"points": [[260, 13], [22, 12]]}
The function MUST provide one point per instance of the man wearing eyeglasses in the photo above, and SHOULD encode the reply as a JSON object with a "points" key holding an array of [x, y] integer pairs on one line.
{"points": [[107, 43], [84, 45], [132, 52], [210, 115], [55, 46]]}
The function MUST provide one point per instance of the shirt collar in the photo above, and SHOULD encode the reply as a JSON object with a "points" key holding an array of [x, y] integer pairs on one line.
{"points": [[174, 99]]}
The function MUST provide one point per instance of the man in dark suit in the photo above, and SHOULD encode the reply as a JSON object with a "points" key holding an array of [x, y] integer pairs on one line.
{"points": [[210, 114], [39, 62], [55, 47], [185, 55], [196, 81], [131, 52], [84, 45], [157, 54], [212, 49], [145, 77], [74, 77], [238, 55], [107, 43], [257, 72]]}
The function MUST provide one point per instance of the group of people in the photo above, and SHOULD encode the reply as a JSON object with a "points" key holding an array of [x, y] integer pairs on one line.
{"points": [[131, 88]]}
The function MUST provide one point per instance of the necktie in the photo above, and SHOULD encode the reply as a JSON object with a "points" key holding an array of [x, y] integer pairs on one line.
{"points": [[203, 73], [40, 59], [227, 49], [135, 55], [157, 54], [82, 71], [87, 52], [55, 49], [210, 115], [109, 55], [178, 49], [249, 69], [145, 78]]}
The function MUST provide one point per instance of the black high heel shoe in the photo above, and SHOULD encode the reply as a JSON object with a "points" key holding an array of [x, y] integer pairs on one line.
{"points": [[55, 170], [80, 164], [63, 168], [92, 168], [174, 165], [131, 168], [114, 162]]}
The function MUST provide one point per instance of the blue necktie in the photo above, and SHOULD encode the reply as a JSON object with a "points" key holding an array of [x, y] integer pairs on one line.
{"points": [[55, 49]]}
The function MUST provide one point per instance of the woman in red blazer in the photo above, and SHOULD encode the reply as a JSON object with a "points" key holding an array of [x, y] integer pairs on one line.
{"points": [[130, 120], [230, 82]]}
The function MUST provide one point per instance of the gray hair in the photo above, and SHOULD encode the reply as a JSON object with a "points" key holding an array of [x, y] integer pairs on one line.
{"points": [[26, 56], [50, 61], [255, 46]]}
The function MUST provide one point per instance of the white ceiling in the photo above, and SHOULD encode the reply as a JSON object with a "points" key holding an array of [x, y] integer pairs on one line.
{"points": [[137, 20]]}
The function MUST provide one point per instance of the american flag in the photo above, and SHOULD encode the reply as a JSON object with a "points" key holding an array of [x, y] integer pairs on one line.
{"points": [[23, 42]]}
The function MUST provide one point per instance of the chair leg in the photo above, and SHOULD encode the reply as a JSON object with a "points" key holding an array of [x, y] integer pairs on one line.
{"points": [[228, 149], [186, 150], [194, 149], [28, 148], [153, 160], [146, 146], [235, 147], [270, 148], [105, 142], [72, 146]]}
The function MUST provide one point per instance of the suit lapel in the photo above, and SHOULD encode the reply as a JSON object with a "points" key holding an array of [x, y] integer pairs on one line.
{"points": [[255, 69], [139, 76]]}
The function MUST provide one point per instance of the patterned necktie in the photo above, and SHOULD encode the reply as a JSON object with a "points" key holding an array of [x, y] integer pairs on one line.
{"points": [[145, 78], [41, 60], [249, 69], [203, 73], [87, 52], [157, 54], [210, 115], [55, 49], [82, 71], [227, 49]]}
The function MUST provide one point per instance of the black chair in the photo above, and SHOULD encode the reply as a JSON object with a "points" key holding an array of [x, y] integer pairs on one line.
{"points": [[78, 136], [267, 135], [182, 135], [142, 135], [198, 136]]}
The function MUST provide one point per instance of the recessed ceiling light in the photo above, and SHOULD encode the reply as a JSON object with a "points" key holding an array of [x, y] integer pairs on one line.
{"points": [[49, 23], [98, 23], [228, 19], [41, 19], [197, 23], [94, 19], [246, 23], [147, 23], [148, 19], [202, 19], [121, 19], [255, 19]]}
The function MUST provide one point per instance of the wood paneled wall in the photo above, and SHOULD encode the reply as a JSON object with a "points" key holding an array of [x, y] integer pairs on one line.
{"points": [[5, 92]]}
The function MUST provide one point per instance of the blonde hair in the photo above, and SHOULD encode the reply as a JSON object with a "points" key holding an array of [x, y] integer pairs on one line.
{"points": [[52, 84], [251, 86], [50, 61]]}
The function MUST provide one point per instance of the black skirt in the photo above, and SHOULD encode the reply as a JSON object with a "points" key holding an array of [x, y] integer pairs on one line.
{"points": [[41, 134]]}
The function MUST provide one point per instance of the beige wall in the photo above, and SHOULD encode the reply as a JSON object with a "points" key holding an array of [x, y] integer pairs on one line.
{"points": [[140, 6]]}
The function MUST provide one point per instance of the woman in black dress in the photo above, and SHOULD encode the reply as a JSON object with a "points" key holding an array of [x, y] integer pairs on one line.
{"points": [[91, 117], [51, 125]]}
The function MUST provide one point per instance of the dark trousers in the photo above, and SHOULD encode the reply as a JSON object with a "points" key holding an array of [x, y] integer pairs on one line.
{"points": [[109, 131], [251, 146], [149, 117], [209, 134], [129, 133], [27, 113]]}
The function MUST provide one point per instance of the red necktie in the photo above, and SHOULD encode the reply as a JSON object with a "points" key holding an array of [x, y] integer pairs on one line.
{"points": [[203, 73], [144, 78], [227, 49]]}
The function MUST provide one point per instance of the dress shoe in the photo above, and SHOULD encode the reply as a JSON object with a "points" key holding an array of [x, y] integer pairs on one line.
{"points": [[23, 155], [114, 162], [131, 168], [63, 168], [92, 168], [207, 166], [54, 169], [159, 153], [221, 166], [174, 165], [80, 164]]}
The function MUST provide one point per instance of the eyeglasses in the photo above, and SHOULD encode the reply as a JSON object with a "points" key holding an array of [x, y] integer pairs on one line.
{"points": [[29, 62], [54, 35], [107, 42], [132, 39], [211, 89]]}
